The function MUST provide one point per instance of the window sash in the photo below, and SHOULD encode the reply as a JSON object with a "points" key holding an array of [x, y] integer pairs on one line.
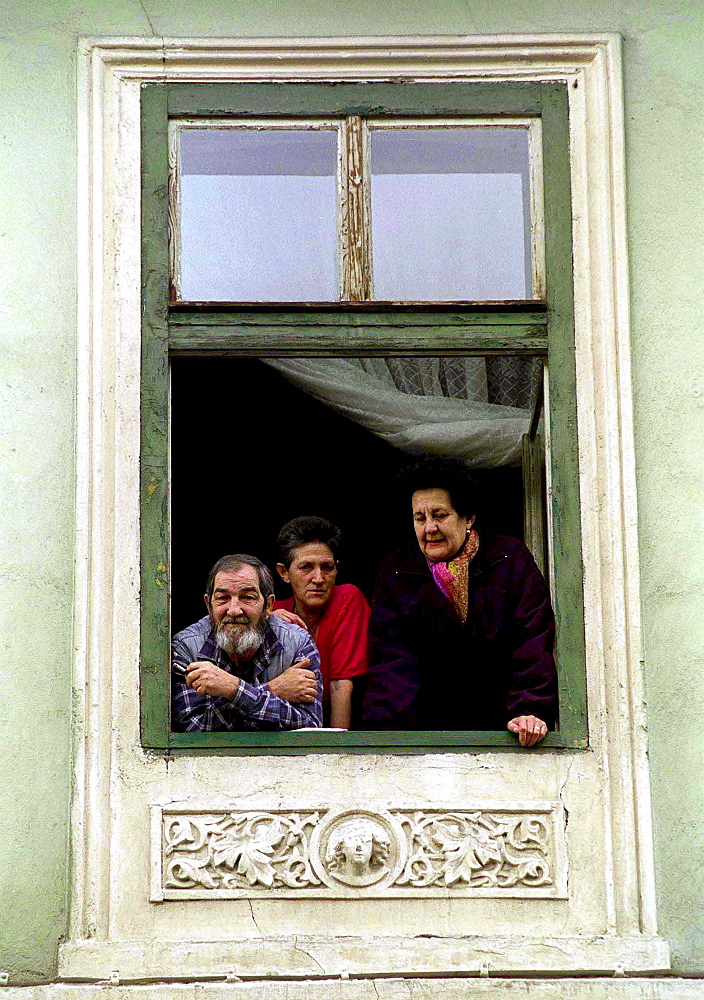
{"points": [[354, 228], [529, 326]]}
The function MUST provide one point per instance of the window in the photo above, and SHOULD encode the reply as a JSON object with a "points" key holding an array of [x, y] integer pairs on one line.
{"points": [[357, 151]]}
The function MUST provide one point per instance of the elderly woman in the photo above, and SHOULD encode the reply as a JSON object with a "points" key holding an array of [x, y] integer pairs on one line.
{"points": [[462, 630], [337, 616]]}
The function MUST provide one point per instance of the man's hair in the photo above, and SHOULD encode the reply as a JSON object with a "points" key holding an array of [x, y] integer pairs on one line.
{"points": [[232, 563], [302, 531], [450, 474]]}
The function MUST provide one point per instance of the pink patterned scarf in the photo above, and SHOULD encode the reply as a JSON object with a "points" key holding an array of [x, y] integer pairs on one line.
{"points": [[451, 577]]}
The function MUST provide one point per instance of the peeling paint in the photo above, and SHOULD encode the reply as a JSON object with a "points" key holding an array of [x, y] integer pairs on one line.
{"points": [[152, 487]]}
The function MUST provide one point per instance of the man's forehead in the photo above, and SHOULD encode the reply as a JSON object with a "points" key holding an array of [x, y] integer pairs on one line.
{"points": [[244, 578]]}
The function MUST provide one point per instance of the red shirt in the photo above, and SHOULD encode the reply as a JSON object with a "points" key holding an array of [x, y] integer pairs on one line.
{"points": [[342, 634]]}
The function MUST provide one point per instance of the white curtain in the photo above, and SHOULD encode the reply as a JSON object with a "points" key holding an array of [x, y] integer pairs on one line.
{"points": [[475, 409]]}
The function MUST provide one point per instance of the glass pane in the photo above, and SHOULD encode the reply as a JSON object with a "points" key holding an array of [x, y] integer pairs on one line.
{"points": [[258, 215], [451, 213]]}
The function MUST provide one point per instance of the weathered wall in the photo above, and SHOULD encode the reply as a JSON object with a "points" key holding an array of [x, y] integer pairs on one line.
{"points": [[37, 264], [662, 47], [666, 207]]}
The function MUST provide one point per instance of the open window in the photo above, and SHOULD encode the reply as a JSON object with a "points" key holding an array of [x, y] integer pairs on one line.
{"points": [[339, 186]]}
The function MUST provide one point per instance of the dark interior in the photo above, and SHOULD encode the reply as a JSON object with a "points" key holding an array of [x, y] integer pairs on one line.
{"points": [[250, 451]]}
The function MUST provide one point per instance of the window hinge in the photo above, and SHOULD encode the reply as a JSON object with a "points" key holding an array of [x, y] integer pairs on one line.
{"points": [[4, 978], [620, 971]]}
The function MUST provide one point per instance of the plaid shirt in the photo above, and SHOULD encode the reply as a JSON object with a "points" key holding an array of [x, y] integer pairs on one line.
{"points": [[253, 705]]}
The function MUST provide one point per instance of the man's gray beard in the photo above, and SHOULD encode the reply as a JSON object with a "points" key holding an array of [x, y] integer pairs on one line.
{"points": [[244, 642]]}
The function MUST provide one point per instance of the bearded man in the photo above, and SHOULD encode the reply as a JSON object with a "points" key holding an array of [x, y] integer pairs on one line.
{"points": [[240, 668]]}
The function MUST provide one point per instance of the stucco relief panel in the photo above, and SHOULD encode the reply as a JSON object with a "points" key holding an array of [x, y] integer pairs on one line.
{"points": [[484, 851]]}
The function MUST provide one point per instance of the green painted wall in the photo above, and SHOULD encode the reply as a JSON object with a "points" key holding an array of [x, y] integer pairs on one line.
{"points": [[663, 44]]}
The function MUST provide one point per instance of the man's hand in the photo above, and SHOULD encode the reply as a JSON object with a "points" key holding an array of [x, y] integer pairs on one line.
{"points": [[295, 684], [291, 618], [529, 728], [205, 678]]}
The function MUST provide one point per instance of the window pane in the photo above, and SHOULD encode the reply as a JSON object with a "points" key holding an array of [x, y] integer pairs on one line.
{"points": [[258, 215], [451, 213]]}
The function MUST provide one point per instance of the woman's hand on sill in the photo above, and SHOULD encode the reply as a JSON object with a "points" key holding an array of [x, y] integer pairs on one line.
{"points": [[529, 729]]}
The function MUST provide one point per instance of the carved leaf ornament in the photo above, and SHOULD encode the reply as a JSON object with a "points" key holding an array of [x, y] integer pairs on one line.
{"points": [[356, 851], [465, 852], [241, 849], [477, 850]]}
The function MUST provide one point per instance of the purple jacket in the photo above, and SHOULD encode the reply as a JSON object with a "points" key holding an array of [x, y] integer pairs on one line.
{"points": [[429, 671]]}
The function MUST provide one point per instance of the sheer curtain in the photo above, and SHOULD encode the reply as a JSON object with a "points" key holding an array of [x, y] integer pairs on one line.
{"points": [[476, 409]]}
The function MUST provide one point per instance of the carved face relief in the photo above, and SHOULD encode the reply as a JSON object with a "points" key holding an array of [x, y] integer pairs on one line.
{"points": [[358, 852], [357, 846]]}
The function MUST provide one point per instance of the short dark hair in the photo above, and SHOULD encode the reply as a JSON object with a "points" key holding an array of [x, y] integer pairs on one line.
{"points": [[304, 530], [235, 562], [450, 474]]}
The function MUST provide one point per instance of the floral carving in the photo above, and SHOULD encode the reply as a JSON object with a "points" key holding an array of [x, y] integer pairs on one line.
{"points": [[477, 849], [239, 850], [400, 852]]}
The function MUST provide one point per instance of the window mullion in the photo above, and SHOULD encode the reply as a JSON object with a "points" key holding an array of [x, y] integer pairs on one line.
{"points": [[537, 213], [174, 213], [355, 215]]}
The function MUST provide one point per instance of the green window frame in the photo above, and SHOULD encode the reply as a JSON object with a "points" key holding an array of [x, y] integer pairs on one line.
{"points": [[537, 327]]}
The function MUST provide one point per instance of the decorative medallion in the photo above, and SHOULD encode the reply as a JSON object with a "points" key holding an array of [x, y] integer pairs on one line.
{"points": [[358, 848], [357, 852]]}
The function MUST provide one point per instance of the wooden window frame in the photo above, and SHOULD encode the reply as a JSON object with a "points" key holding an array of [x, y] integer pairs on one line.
{"points": [[544, 328]]}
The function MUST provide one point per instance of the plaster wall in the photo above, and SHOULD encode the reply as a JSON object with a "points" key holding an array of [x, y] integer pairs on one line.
{"points": [[662, 46]]}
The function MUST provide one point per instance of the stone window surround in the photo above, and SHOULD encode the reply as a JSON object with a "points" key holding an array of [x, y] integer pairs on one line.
{"points": [[107, 589]]}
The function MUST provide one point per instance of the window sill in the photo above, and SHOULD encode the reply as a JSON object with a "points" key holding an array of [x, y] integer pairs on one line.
{"points": [[360, 741]]}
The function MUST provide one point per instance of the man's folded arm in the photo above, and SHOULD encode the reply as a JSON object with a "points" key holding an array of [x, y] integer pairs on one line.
{"points": [[192, 712], [261, 707], [254, 704]]}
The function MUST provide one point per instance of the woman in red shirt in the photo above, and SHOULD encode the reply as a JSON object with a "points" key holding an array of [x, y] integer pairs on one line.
{"points": [[337, 617]]}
